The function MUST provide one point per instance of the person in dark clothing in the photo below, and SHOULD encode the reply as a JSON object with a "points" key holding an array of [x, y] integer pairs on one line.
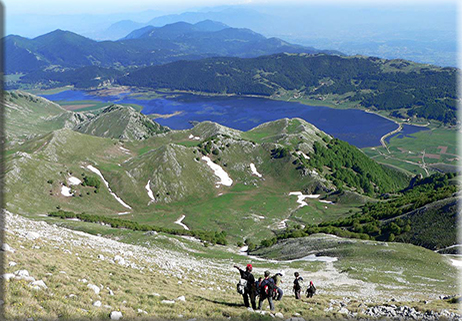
{"points": [[257, 285], [297, 285], [250, 289], [311, 290], [266, 291], [277, 281]]}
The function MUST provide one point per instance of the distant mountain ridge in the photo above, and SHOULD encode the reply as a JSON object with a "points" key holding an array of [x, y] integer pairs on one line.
{"points": [[143, 47], [176, 30]]}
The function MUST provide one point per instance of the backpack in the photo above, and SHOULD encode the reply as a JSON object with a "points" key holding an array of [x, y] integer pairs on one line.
{"points": [[276, 278], [267, 288], [298, 284], [241, 286], [311, 289]]}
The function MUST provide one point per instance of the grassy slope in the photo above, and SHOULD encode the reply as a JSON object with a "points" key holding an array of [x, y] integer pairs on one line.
{"points": [[53, 157], [376, 262], [371, 272], [28, 116], [172, 170], [121, 122]]}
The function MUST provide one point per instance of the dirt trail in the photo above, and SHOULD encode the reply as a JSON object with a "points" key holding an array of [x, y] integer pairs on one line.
{"points": [[397, 130]]}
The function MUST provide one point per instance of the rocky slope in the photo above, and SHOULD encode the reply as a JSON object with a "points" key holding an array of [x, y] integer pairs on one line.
{"points": [[52, 272], [120, 122]]}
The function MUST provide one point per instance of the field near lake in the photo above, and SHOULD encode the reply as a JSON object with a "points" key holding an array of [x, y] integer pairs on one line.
{"points": [[421, 152]]}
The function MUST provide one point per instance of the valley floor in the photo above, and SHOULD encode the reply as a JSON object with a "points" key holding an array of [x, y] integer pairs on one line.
{"points": [[55, 273]]}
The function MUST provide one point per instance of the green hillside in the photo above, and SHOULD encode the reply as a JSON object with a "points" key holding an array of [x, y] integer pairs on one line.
{"points": [[404, 217], [156, 176], [124, 123], [28, 116], [115, 214]]}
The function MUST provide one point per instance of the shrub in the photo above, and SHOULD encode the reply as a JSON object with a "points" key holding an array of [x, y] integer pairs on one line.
{"points": [[92, 181]]}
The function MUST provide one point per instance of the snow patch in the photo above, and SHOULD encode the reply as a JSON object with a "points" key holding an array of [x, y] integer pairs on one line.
{"points": [[254, 170], [457, 263], [97, 172], [301, 197], [314, 258], [66, 191], [74, 181], [218, 171], [179, 222], [254, 217], [194, 137], [326, 202], [150, 194], [126, 151], [303, 154], [123, 213]]}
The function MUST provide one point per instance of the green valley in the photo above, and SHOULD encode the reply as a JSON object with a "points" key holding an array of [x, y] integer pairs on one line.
{"points": [[215, 195], [157, 163]]}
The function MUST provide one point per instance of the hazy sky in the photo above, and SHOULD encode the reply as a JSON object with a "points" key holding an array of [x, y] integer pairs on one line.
{"points": [[14, 7], [419, 30]]}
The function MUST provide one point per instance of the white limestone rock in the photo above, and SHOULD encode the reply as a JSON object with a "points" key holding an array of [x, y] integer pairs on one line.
{"points": [[115, 315], [8, 276], [94, 288], [32, 235], [40, 284], [167, 302], [7, 248]]}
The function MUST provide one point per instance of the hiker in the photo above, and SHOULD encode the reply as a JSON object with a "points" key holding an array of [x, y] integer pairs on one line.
{"points": [[267, 287], [257, 286], [297, 285], [277, 281], [249, 288], [311, 290]]}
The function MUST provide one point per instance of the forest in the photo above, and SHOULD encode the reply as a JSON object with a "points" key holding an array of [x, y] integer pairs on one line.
{"points": [[415, 90], [394, 217]]}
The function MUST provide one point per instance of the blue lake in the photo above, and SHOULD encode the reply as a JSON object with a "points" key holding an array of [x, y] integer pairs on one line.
{"points": [[354, 126]]}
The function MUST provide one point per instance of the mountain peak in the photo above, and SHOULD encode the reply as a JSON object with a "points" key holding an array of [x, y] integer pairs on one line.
{"points": [[61, 35], [210, 25], [208, 129], [129, 124]]}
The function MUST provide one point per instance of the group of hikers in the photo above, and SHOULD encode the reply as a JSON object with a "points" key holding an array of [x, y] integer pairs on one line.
{"points": [[267, 287]]}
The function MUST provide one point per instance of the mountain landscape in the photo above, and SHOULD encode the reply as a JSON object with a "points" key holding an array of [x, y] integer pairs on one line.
{"points": [[60, 50], [385, 36], [140, 170], [281, 189], [402, 89]]}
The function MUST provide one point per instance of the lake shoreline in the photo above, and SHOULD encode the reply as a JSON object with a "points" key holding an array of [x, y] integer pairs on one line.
{"points": [[178, 109]]}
